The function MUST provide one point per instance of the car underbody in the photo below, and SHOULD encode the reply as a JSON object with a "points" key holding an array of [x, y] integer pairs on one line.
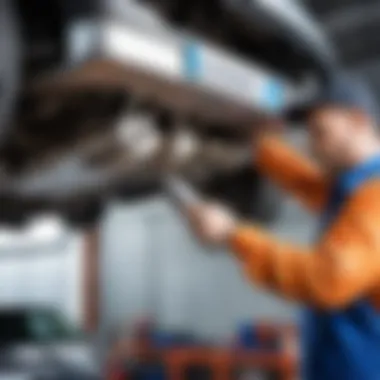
{"points": [[96, 106]]}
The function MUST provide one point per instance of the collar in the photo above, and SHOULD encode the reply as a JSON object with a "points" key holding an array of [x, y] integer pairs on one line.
{"points": [[349, 179]]}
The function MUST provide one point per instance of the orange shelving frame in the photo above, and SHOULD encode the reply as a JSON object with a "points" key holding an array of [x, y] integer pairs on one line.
{"points": [[222, 361]]}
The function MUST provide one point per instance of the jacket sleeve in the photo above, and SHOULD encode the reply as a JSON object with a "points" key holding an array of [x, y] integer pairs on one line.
{"points": [[344, 266], [292, 172]]}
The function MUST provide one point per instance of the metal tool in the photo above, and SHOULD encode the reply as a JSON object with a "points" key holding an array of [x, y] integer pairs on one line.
{"points": [[182, 192]]}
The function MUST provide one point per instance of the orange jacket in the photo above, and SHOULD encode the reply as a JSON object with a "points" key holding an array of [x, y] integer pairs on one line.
{"points": [[343, 266]]}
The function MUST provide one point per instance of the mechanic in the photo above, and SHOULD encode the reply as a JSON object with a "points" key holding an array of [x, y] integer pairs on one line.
{"points": [[338, 278]]}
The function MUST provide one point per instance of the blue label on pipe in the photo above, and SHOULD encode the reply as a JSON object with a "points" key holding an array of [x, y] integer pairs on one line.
{"points": [[274, 95], [192, 61]]}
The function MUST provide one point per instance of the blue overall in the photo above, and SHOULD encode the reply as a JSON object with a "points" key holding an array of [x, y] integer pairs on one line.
{"points": [[343, 344]]}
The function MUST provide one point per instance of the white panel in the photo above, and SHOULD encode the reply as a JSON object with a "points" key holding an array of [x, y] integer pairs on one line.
{"points": [[124, 266], [50, 277], [171, 269]]}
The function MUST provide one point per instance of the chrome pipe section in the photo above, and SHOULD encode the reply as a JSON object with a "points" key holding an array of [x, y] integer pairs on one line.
{"points": [[172, 69]]}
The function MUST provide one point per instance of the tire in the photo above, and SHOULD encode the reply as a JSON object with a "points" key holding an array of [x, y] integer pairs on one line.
{"points": [[10, 64]]}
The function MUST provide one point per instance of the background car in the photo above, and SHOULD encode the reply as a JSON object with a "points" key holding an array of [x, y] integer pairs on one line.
{"points": [[39, 344]]}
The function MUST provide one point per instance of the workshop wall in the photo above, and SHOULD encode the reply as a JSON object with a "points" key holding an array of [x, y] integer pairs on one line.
{"points": [[152, 266]]}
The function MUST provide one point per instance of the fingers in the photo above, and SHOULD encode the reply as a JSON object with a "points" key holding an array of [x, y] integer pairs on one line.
{"points": [[212, 224]]}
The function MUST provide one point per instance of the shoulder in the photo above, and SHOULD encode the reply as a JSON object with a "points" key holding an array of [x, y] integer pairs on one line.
{"points": [[359, 216], [365, 198]]}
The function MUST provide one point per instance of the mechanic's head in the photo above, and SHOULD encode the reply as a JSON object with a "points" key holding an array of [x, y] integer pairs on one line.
{"points": [[341, 137], [343, 126]]}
